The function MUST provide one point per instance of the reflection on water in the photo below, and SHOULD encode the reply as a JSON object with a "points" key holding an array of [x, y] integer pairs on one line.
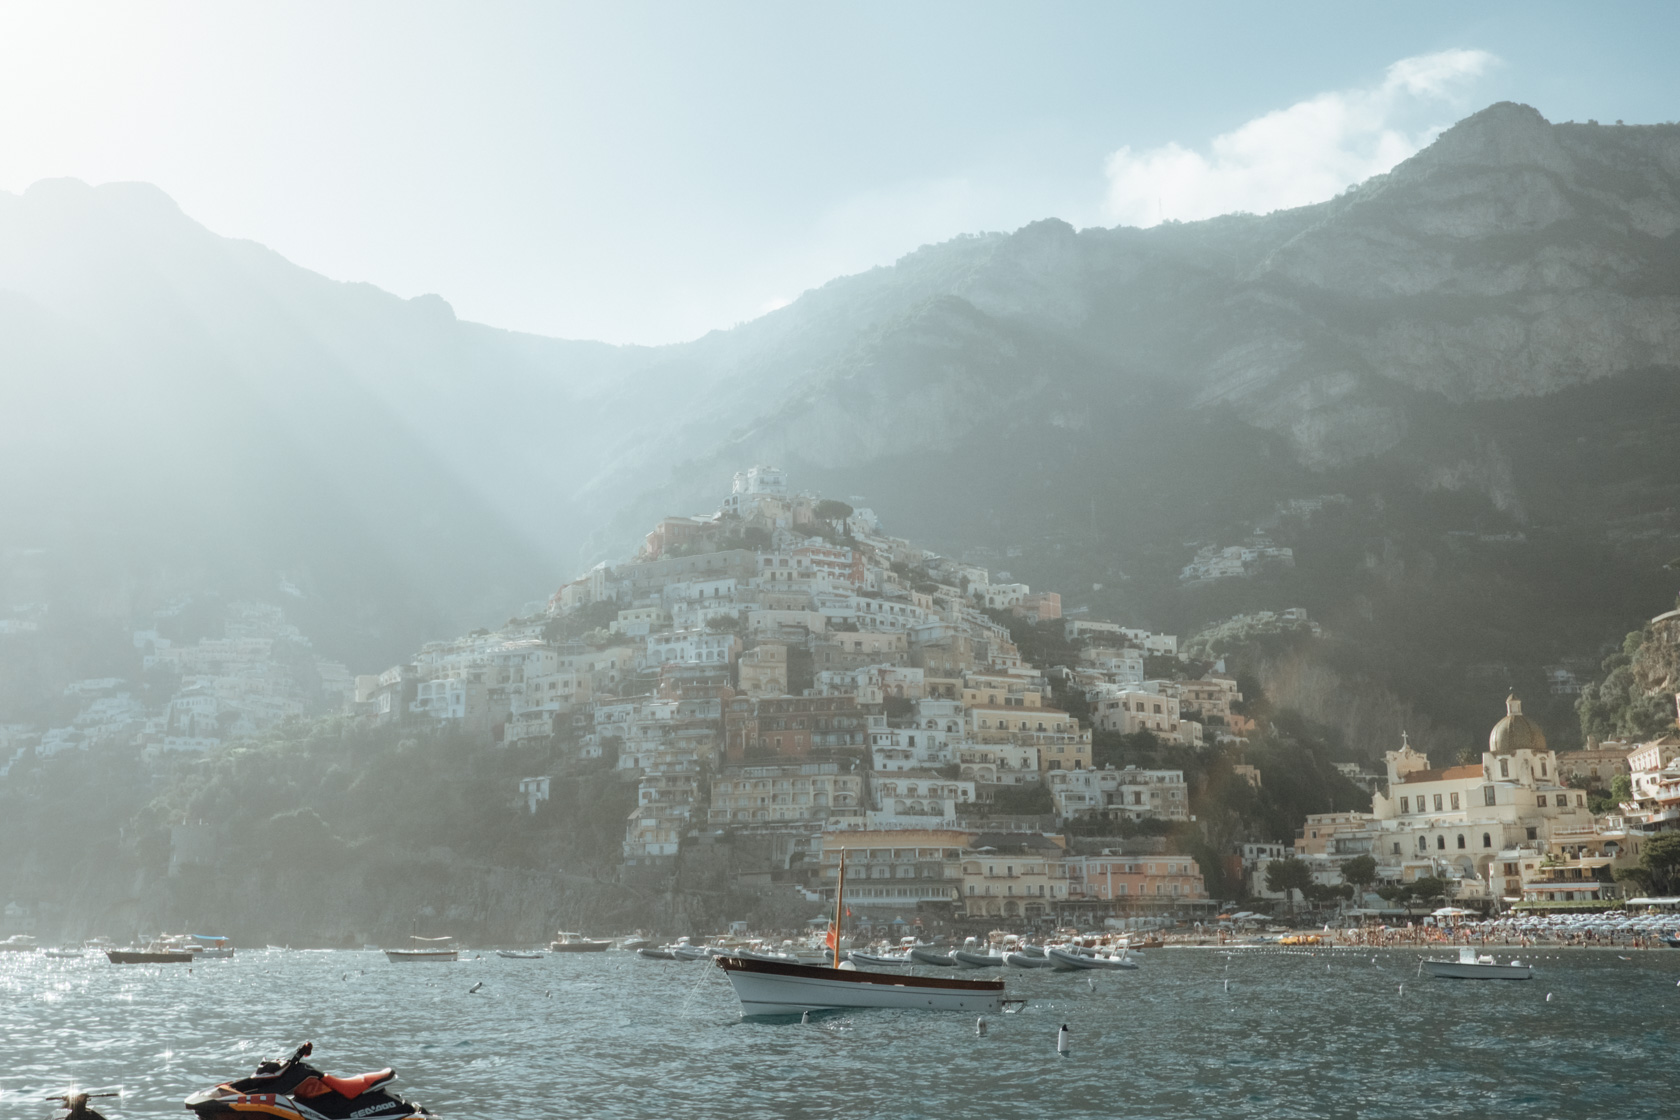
{"points": [[613, 1035]]}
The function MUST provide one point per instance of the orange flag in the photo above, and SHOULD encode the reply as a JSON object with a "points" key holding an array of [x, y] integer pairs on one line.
{"points": [[831, 940]]}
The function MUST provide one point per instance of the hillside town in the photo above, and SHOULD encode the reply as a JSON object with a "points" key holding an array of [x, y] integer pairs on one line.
{"points": [[783, 678], [785, 672]]}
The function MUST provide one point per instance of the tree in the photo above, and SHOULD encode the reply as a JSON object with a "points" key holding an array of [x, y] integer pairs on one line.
{"points": [[1429, 888], [1659, 866], [1621, 788], [1287, 875], [830, 510], [1361, 871]]}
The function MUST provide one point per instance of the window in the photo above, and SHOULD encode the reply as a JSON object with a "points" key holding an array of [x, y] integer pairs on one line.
{"points": [[1437, 803], [1540, 801], [1580, 799], [1489, 795], [1423, 843], [1504, 768], [1397, 847], [1533, 834], [1487, 841], [1440, 843], [1405, 804], [1455, 801], [1461, 841], [1542, 768]]}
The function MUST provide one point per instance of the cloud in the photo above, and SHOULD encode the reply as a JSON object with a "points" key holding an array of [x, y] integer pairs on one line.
{"points": [[1291, 157]]}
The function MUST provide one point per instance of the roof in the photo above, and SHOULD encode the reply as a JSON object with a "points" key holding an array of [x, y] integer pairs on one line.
{"points": [[1448, 774]]}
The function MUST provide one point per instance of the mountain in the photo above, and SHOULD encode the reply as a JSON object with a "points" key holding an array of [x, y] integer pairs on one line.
{"points": [[1478, 350]]}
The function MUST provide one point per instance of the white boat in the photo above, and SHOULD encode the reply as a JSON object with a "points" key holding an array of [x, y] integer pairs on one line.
{"points": [[423, 956], [515, 956], [1027, 960], [1470, 966], [208, 947], [924, 954], [977, 960], [577, 943], [1069, 959]]}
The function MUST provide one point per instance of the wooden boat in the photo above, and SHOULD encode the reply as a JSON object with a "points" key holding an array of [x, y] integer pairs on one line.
{"points": [[577, 943], [436, 954], [513, 956], [1470, 966], [790, 988], [787, 988]]}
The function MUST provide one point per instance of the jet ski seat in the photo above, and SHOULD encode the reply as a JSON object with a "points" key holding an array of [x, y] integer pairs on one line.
{"points": [[352, 1087]]}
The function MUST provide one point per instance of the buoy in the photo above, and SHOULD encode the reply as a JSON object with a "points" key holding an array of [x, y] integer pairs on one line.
{"points": [[980, 1026], [475, 987], [804, 1016], [1062, 1043]]}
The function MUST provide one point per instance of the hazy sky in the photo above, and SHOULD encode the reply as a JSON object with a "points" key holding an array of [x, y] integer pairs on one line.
{"points": [[646, 172]]}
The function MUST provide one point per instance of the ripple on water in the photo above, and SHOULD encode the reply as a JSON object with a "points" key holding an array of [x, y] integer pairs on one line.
{"points": [[618, 1036]]}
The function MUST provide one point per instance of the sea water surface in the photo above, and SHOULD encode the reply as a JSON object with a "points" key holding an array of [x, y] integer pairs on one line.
{"points": [[1302, 1034]]}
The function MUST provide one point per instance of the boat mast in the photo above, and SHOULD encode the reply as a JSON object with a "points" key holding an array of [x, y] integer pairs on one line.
{"points": [[839, 896]]}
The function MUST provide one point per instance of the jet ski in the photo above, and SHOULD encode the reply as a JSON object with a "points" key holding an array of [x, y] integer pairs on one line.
{"points": [[298, 1091]]}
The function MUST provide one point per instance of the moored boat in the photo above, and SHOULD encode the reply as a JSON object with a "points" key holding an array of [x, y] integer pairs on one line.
{"points": [[767, 987], [654, 953], [1470, 966], [18, 943], [926, 954], [977, 960], [517, 956], [789, 988], [877, 960], [577, 943], [434, 952], [1028, 960]]}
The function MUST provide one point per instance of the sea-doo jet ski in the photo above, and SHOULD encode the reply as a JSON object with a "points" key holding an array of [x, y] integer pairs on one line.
{"points": [[298, 1091]]}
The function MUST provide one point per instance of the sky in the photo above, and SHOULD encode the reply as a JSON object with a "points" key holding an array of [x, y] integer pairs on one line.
{"points": [[645, 173]]}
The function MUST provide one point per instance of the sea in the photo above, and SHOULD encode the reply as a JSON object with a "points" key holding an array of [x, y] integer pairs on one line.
{"points": [[1192, 1033]]}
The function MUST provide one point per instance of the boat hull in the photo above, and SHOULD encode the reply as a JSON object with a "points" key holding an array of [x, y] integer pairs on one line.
{"points": [[126, 956], [777, 988], [870, 960], [421, 956], [580, 946], [1027, 960], [512, 956], [1456, 970], [1067, 962], [976, 960], [928, 956], [653, 954]]}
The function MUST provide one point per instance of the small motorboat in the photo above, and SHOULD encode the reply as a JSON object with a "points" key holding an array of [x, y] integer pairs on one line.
{"points": [[577, 943], [631, 944], [1028, 960], [208, 947], [61, 954], [431, 955], [926, 954], [654, 953], [977, 960], [18, 943], [512, 955], [876, 960], [1067, 960], [690, 952], [1471, 966]]}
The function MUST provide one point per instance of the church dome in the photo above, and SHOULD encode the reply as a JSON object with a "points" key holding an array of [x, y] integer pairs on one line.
{"points": [[1516, 732]]}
